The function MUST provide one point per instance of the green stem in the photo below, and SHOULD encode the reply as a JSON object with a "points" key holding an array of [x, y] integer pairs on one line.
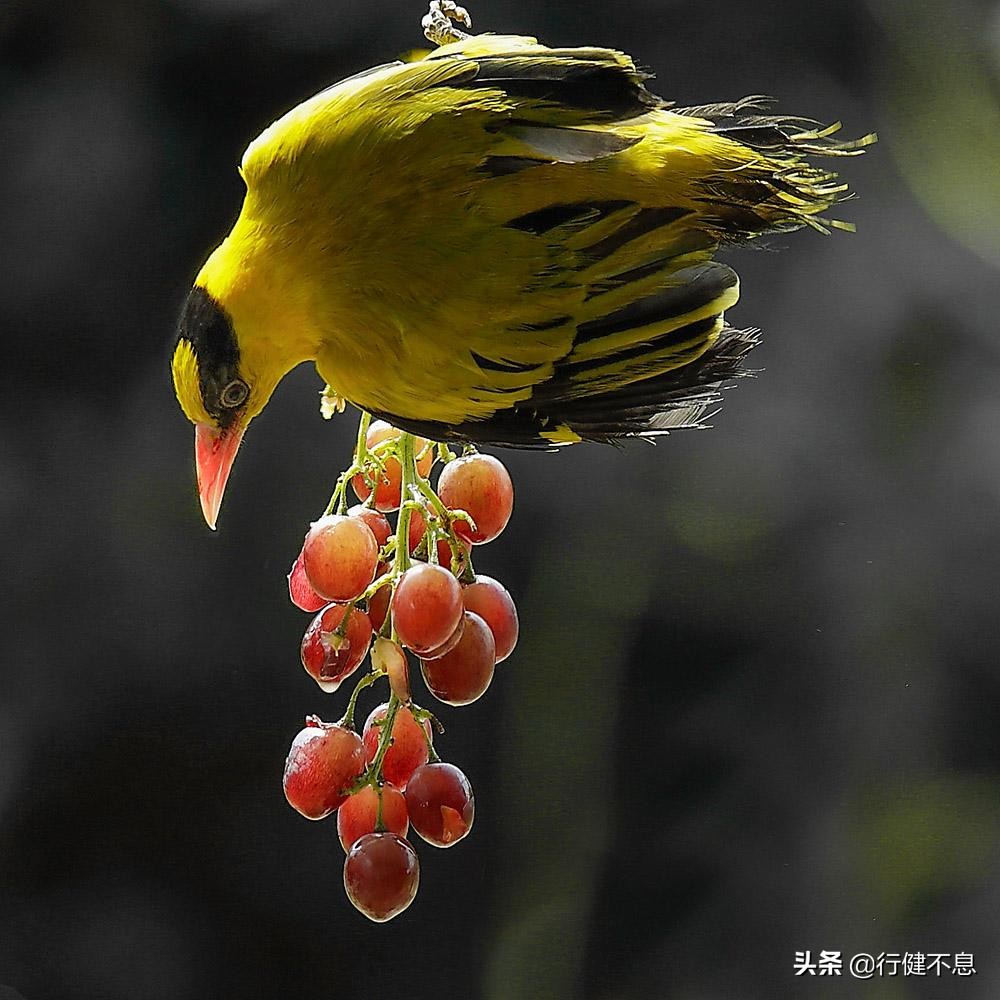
{"points": [[338, 501], [432, 754], [411, 483], [446, 518], [433, 500], [385, 738], [422, 715], [361, 447], [410, 477], [446, 515], [376, 585], [341, 630], [338, 493], [366, 681]]}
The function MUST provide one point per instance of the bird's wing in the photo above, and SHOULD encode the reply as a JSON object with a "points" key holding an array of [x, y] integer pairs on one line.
{"points": [[538, 231]]}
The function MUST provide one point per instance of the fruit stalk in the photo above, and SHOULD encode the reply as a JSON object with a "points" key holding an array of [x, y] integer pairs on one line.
{"points": [[367, 680], [408, 465], [385, 738], [338, 501]]}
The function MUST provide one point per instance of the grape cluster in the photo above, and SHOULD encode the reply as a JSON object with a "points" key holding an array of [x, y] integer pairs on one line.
{"points": [[387, 590]]}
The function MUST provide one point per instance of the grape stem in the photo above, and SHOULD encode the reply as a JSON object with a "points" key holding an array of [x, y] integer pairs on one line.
{"points": [[421, 715], [376, 585], [338, 500], [408, 466], [416, 494], [384, 741], [443, 523], [366, 681]]}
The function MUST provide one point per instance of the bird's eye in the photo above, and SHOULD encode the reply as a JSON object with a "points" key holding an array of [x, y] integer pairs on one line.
{"points": [[234, 394]]}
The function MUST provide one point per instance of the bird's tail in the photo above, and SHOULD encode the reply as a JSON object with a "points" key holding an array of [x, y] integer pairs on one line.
{"points": [[774, 185], [679, 397]]}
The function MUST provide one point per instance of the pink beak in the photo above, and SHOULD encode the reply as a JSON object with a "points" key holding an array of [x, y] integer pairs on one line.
{"points": [[214, 452]]}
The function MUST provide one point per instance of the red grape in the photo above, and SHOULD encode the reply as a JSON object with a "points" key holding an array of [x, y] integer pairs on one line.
{"points": [[340, 554], [491, 601], [387, 491], [357, 816], [300, 590], [408, 749], [324, 761], [329, 658], [426, 607], [481, 486], [462, 675], [381, 875], [448, 645], [440, 803], [376, 520], [378, 607]]}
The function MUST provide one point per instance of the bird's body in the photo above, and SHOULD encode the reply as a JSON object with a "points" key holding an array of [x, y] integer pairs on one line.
{"points": [[500, 242]]}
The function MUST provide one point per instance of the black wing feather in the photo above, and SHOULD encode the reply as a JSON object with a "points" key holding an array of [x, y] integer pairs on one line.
{"points": [[586, 80]]}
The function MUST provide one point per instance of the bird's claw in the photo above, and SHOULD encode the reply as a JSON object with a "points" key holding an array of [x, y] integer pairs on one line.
{"points": [[438, 22]]}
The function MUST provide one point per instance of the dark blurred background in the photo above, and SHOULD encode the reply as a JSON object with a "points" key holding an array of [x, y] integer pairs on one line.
{"points": [[755, 709]]}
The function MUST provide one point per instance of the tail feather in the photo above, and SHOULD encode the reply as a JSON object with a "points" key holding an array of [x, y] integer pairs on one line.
{"points": [[661, 402], [781, 189]]}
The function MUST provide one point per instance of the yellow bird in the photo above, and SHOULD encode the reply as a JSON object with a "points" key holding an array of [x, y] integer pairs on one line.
{"points": [[500, 242]]}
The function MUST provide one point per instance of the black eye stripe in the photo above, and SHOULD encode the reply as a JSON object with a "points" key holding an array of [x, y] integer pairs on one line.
{"points": [[207, 326], [209, 330]]}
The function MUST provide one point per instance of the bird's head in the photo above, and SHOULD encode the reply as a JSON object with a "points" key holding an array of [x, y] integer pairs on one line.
{"points": [[219, 389]]}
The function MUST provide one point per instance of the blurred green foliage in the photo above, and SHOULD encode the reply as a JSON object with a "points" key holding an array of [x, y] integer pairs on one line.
{"points": [[942, 104], [924, 839]]}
